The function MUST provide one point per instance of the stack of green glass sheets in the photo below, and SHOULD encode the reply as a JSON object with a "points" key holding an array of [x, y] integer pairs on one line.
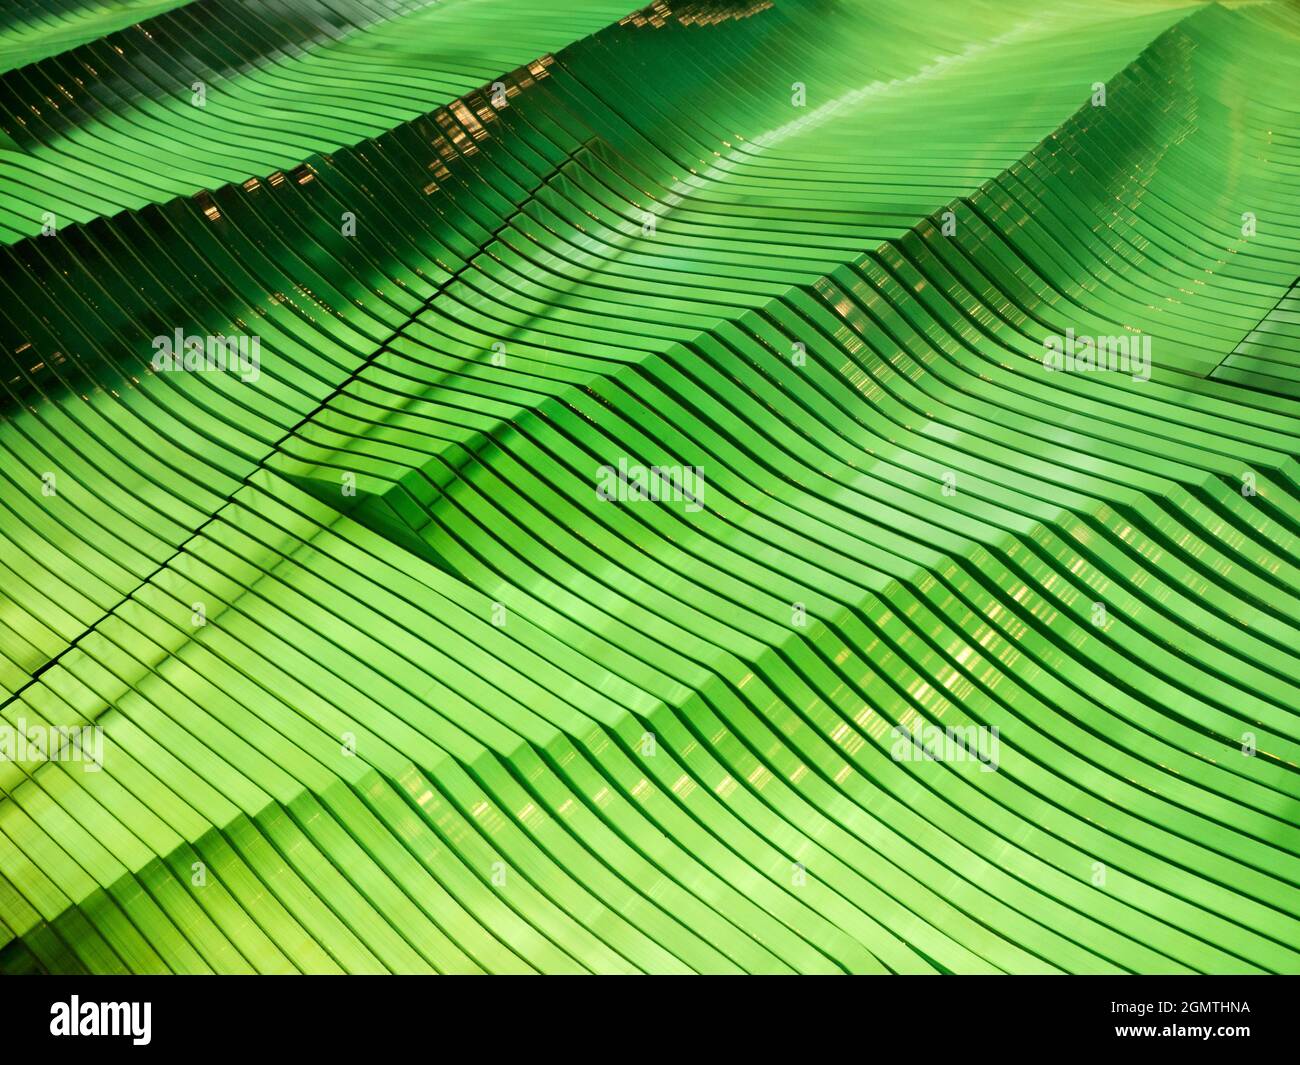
{"points": [[641, 522]]}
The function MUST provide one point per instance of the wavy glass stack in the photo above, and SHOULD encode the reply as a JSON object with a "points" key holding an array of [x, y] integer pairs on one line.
{"points": [[387, 679]]}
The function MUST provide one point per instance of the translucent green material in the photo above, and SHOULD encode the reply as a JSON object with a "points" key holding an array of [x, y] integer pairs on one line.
{"points": [[387, 683]]}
